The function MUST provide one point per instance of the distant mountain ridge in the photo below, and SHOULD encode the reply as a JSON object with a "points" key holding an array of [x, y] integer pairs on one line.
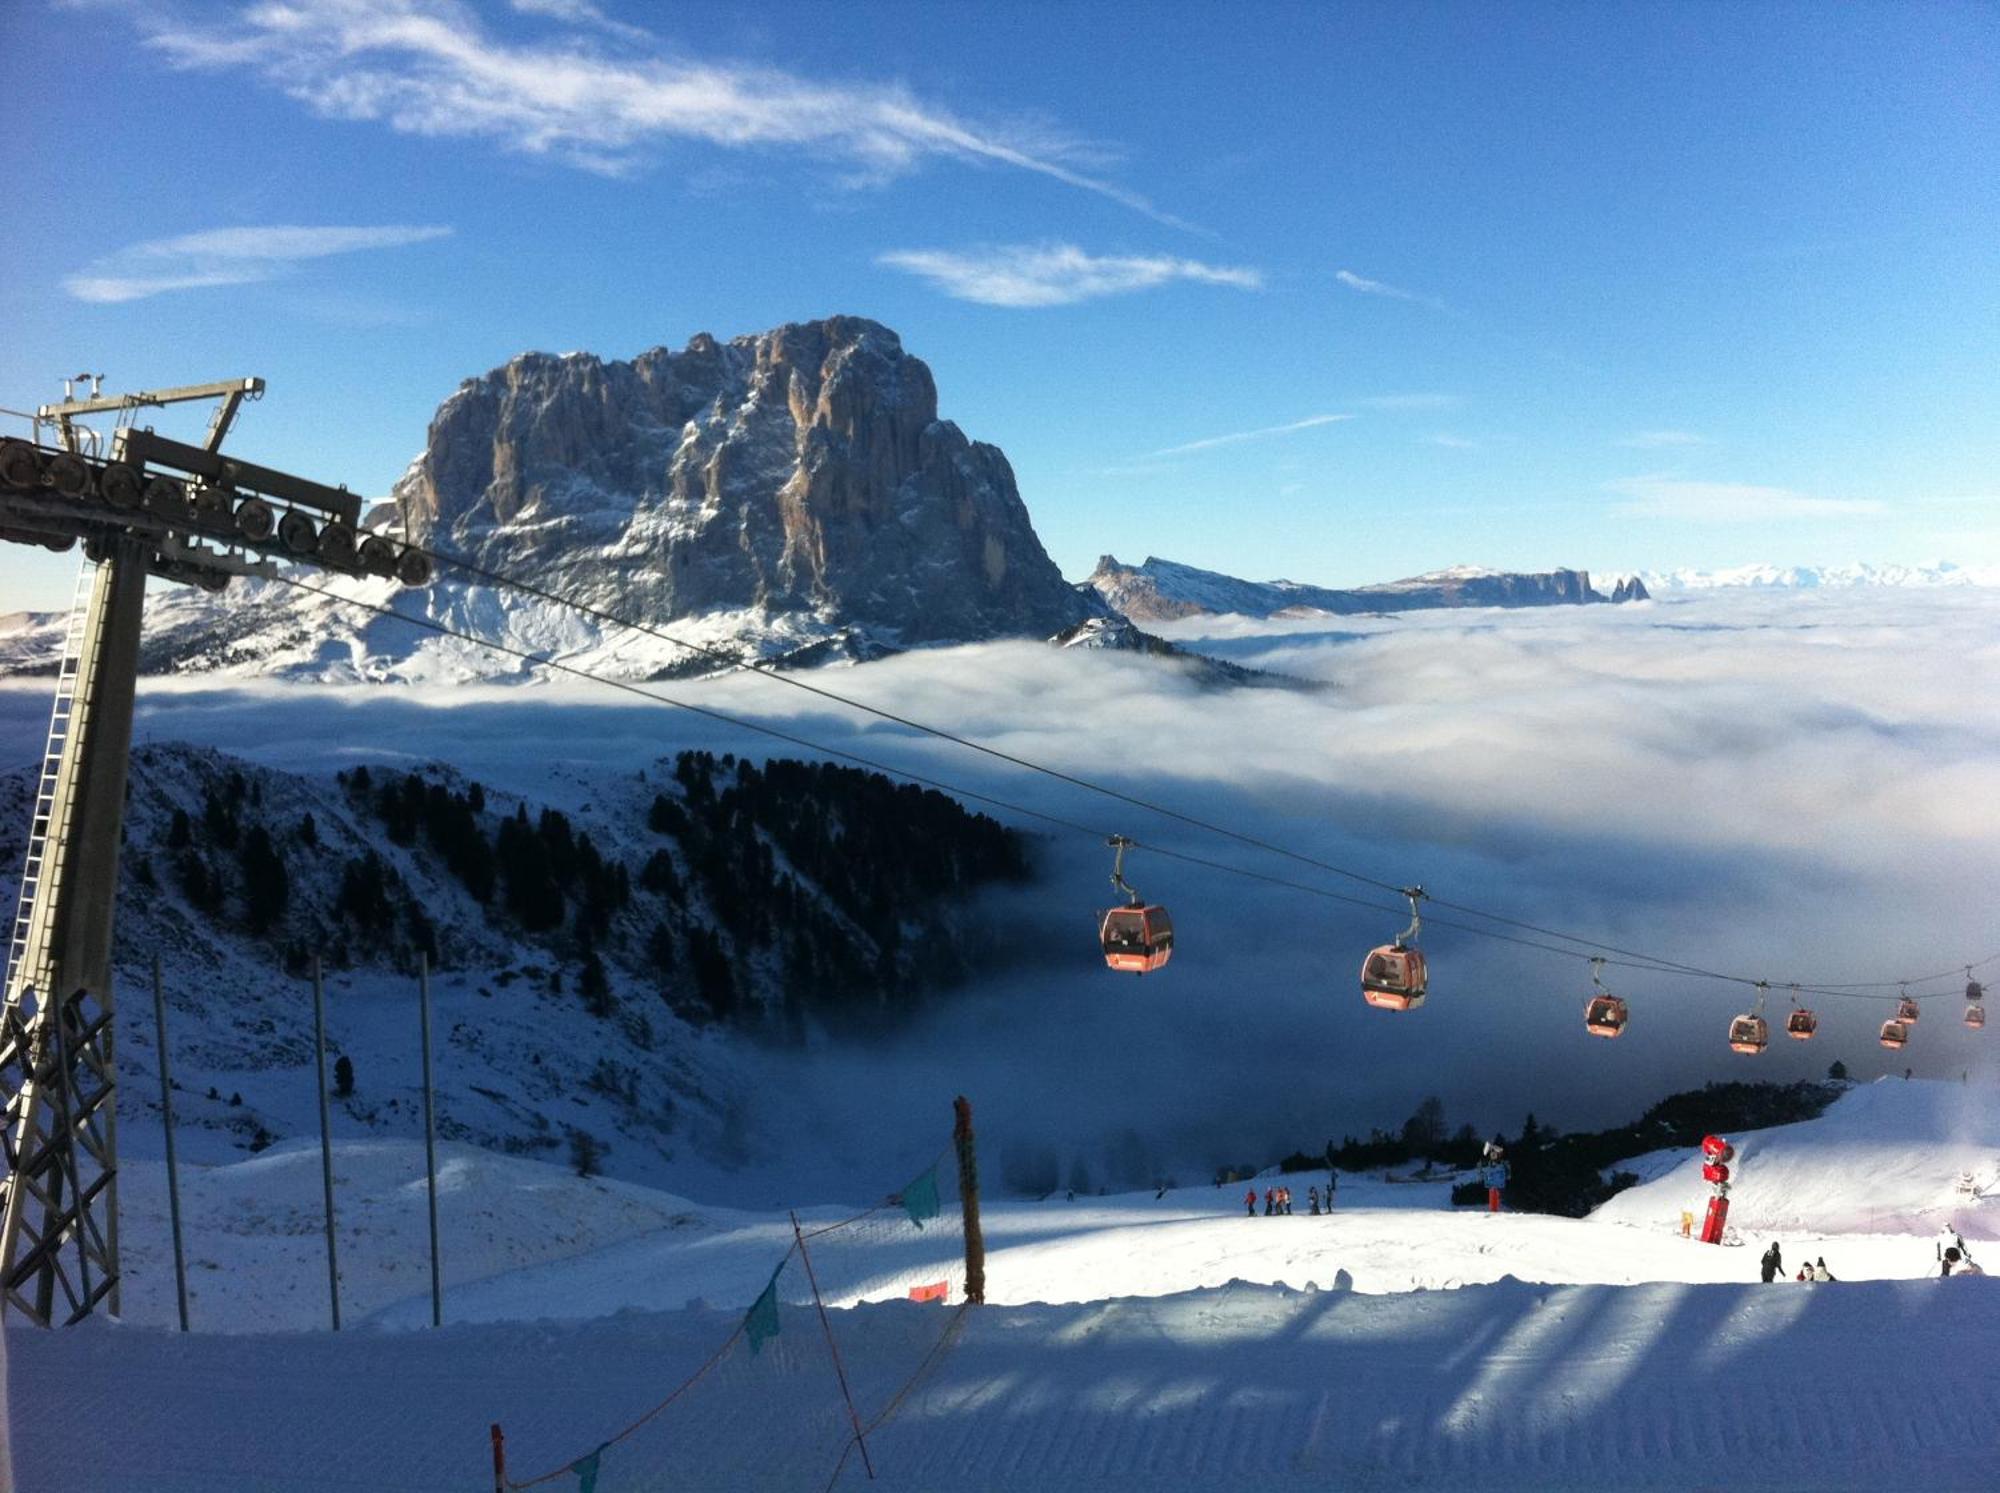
{"points": [[1162, 590]]}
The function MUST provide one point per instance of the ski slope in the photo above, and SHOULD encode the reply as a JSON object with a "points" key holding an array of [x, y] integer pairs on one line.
{"points": [[1129, 1342]]}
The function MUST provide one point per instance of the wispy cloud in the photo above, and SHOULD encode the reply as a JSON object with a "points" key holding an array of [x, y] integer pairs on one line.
{"points": [[1412, 402], [1054, 274], [1366, 286], [229, 256], [430, 67], [1730, 502], [1450, 442], [1657, 440], [1209, 443], [578, 13]]}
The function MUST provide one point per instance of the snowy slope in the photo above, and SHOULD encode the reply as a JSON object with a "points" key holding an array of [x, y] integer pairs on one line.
{"points": [[1885, 1158], [1182, 1345]]}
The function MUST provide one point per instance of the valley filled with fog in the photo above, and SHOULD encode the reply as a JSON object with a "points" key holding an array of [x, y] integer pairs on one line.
{"points": [[1785, 786]]}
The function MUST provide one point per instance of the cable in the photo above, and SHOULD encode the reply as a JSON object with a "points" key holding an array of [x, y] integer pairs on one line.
{"points": [[1652, 961], [535, 660]]}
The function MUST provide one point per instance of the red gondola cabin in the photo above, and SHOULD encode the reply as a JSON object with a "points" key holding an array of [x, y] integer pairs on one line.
{"points": [[1137, 940], [1975, 1016], [1393, 978], [1604, 1016], [1907, 1010], [1894, 1034], [1801, 1024], [1749, 1034]]}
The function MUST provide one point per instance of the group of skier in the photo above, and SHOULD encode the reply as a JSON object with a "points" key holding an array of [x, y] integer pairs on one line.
{"points": [[1772, 1267], [1954, 1258], [1278, 1201]]}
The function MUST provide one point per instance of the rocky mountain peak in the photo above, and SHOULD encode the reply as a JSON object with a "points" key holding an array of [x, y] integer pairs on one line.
{"points": [[802, 471]]}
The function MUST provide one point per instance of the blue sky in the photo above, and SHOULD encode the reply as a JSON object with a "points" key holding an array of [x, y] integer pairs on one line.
{"points": [[1336, 292]]}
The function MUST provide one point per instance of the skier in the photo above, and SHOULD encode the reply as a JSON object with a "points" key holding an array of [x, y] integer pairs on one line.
{"points": [[1805, 1273], [1773, 1263], [1270, 1202], [1312, 1201], [1250, 1203], [1332, 1182], [1820, 1272], [1950, 1263]]}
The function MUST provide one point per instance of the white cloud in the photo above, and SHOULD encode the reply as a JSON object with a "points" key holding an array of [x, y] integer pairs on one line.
{"points": [[1377, 287], [1055, 274], [1655, 440], [1208, 443], [1730, 502], [429, 67], [577, 13], [1412, 402], [1450, 442], [229, 256]]}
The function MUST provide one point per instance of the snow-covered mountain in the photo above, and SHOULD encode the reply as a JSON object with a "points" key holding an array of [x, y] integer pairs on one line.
{"points": [[1161, 590], [1810, 577]]}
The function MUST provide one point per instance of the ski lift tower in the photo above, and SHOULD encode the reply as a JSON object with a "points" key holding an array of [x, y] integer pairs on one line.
{"points": [[140, 505]]}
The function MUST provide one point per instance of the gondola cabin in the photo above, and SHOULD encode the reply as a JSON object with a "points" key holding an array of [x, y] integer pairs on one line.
{"points": [[1974, 990], [1393, 977], [1137, 940], [1906, 1010], [1975, 1016], [1801, 1024], [1604, 1016], [1895, 1033], [1751, 1034]]}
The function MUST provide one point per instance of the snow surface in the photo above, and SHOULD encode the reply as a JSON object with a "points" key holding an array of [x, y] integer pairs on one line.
{"points": [[1129, 1342]]}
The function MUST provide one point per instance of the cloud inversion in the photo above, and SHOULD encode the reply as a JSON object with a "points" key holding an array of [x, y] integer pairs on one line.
{"points": [[229, 256], [1054, 274]]}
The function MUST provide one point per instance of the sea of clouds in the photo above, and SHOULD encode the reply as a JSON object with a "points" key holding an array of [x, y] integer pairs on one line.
{"points": [[1780, 785]]}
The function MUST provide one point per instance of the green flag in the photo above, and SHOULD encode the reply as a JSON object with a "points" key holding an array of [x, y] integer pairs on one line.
{"points": [[761, 1322], [585, 1469], [920, 1198]]}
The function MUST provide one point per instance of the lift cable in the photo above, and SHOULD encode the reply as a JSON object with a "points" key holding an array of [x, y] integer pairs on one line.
{"points": [[473, 568], [535, 660]]}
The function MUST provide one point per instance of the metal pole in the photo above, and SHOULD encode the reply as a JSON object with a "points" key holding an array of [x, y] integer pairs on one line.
{"points": [[173, 1167], [325, 1138], [430, 1135]]}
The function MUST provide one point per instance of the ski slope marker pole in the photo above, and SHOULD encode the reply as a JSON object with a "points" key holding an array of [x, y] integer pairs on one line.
{"points": [[325, 1137], [173, 1168], [430, 1135]]}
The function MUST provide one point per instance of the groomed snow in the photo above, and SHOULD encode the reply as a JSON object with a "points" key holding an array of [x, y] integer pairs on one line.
{"points": [[1129, 1342]]}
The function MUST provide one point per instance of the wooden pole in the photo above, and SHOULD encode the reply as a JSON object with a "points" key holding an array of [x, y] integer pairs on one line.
{"points": [[840, 1372], [173, 1168], [325, 1138], [499, 1460], [430, 1136], [968, 1193]]}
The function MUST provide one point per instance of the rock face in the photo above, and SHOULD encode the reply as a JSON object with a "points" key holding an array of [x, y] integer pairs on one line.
{"points": [[1161, 590], [1631, 588], [800, 473]]}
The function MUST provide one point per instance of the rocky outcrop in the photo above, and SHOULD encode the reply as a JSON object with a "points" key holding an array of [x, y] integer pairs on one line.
{"points": [[804, 472], [1631, 588], [1161, 590]]}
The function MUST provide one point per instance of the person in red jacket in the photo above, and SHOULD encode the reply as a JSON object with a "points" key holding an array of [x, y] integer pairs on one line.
{"points": [[1250, 1203]]}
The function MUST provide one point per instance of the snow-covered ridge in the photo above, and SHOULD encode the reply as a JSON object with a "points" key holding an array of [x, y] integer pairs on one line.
{"points": [[1819, 577]]}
